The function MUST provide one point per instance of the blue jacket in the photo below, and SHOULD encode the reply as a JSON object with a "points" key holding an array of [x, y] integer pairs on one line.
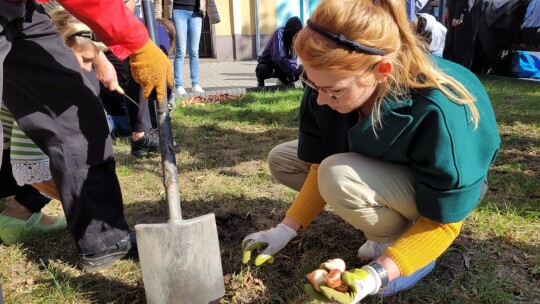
{"points": [[432, 135]]}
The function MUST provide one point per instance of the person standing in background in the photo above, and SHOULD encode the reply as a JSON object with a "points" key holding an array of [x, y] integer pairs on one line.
{"points": [[463, 22], [187, 16], [188, 24]]}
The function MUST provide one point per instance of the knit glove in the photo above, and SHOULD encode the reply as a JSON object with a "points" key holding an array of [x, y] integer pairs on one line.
{"points": [[274, 239], [150, 67], [360, 281]]}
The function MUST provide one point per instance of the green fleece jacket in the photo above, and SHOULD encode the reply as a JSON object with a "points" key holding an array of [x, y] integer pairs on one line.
{"points": [[428, 132]]}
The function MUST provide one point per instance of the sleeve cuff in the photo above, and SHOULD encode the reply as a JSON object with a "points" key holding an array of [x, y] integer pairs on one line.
{"points": [[309, 202]]}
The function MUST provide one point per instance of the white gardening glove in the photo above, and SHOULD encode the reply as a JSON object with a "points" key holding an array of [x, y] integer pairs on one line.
{"points": [[274, 239], [362, 282]]}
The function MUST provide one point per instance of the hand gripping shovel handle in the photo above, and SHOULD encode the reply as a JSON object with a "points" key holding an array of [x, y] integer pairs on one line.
{"points": [[168, 160]]}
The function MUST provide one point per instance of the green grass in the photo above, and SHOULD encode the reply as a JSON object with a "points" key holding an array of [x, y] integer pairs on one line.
{"points": [[221, 158]]}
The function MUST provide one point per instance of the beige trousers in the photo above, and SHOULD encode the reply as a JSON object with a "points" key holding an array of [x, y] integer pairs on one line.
{"points": [[374, 196], [286, 167]]}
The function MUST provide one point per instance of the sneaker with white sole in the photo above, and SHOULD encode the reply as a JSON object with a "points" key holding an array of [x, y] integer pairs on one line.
{"points": [[370, 251], [197, 88], [171, 104], [180, 91], [125, 248]]}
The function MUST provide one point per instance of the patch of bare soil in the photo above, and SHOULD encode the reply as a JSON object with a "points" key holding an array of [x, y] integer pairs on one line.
{"points": [[466, 261], [328, 234], [229, 225]]}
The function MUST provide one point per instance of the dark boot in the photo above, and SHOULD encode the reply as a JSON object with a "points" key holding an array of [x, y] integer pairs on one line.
{"points": [[145, 145], [126, 248]]}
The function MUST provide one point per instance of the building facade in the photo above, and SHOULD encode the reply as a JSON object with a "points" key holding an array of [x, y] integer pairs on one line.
{"points": [[247, 25]]}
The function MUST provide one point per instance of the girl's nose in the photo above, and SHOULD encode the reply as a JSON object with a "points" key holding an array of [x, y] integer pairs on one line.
{"points": [[323, 99]]}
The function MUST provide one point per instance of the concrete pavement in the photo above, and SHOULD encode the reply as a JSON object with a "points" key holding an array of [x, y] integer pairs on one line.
{"points": [[237, 77]]}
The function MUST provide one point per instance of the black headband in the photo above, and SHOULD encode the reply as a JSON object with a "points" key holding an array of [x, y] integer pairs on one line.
{"points": [[86, 34], [352, 45]]}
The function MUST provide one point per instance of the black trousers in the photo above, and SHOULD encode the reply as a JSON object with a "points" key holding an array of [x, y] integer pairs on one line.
{"points": [[139, 117], [57, 107], [459, 42], [265, 71], [26, 195]]}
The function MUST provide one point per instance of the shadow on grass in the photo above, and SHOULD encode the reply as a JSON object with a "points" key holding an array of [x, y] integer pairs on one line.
{"points": [[478, 269], [514, 178], [67, 281], [211, 146], [514, 100], [236, 217]]}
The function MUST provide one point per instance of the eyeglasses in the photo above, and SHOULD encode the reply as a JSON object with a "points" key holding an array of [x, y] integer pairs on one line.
{"points": [[331, 93]]}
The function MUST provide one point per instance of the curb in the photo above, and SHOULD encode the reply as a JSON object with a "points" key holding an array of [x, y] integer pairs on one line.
{"points": [[241, 91]]}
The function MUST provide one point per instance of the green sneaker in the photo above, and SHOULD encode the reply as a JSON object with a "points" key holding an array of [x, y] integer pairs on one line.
{"points": [[12, 230]]}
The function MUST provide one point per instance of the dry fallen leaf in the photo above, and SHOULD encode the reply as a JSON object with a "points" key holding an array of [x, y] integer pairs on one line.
{"points": [[202, 100]]}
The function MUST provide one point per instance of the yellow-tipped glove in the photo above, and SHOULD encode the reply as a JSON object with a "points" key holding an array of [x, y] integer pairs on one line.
{"points": [[272, 241], [150, 67], [362, 282]]}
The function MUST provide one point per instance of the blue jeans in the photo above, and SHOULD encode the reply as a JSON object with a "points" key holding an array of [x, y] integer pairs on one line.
{"points": [[437, 54], [188, 27], [119, 125]]}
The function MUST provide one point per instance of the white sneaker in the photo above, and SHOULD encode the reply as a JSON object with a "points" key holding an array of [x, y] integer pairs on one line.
{"points": [[171, 104], [197, 88], [278, 82], [180, 91], [370, 250]]}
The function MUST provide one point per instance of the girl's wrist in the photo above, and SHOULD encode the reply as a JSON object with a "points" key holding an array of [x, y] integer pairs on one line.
{"points": [[391, 267], [291, 223]]}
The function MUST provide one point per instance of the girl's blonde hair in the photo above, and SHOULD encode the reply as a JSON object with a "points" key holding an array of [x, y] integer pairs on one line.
{"points": [[380, 24], [68, 25]]}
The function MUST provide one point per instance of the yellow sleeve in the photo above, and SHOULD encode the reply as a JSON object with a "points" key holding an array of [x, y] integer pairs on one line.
{"points": [[422, 243], [309, 202]]}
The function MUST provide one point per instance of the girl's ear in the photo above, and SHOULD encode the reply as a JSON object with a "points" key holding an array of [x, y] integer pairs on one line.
{"points": [[385, 68]]}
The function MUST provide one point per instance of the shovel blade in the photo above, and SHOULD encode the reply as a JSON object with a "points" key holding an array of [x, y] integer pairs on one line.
{"points": [[181, 261]]}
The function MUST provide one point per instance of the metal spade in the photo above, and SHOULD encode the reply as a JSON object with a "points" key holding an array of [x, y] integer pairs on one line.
{"points": [[180, 259]]}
